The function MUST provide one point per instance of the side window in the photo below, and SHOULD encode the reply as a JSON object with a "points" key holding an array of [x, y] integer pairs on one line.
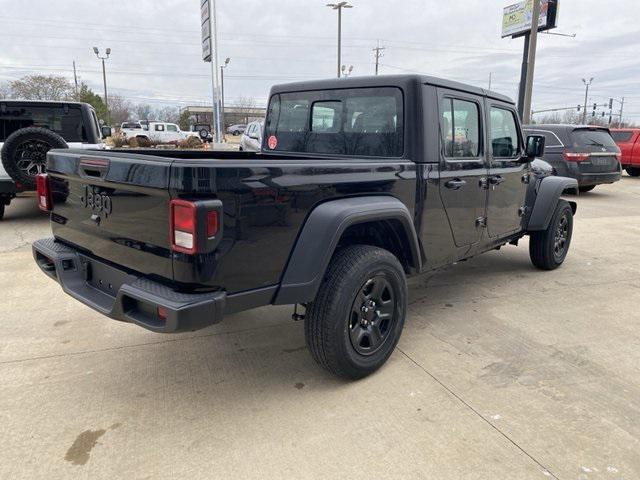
{"points": [[172, 128], [504, 133], [325, 116], [460, 126], [159, 128]]}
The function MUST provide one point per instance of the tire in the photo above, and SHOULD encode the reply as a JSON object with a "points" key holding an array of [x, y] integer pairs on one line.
{"points": [[548, 248], [24, 154], [633, 171], [343, 337], [2, 207], [586, 189]]}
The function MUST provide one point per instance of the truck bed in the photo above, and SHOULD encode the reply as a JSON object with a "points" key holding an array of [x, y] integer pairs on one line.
{"points": [[265, 200]]}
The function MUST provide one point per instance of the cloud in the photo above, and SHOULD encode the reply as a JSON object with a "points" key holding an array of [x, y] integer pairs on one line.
{"points": [[156, 46]]}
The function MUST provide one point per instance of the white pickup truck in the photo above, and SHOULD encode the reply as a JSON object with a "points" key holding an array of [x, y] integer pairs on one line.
{"points": [[156, 131]]}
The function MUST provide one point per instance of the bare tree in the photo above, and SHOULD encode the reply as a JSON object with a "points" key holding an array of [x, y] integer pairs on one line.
{"points": [[5, 90], [143, 111], [167, 114], [42, 87], [120, 109]]}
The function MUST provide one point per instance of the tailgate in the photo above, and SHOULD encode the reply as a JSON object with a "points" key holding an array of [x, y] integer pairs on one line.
{"points": [[603, 151], [114, 206]]}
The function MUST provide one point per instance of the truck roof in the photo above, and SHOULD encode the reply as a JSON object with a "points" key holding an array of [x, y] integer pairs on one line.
{"points": [[45, 102], [386, 81]]}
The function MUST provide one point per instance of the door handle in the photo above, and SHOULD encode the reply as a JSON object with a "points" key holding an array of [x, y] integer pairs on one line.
{"points": [[455, 184], [496, 180]]}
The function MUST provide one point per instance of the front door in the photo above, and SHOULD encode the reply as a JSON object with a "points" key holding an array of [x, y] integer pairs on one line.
{"points": [[463, 167], [508, 175]]}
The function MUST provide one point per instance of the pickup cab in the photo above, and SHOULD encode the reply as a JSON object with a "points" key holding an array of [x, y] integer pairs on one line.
{"points": [[360, 183], [628, 139]]}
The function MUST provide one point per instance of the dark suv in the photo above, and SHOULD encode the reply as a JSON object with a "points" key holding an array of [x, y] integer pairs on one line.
{"points": [[586, 153]]}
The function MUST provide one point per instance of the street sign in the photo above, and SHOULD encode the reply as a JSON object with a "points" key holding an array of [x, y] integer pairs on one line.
{"points": [[516, 18], [206, 30]]}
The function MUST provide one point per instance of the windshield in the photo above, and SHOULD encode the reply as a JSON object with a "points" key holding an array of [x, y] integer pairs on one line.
{"points": [[592, 138], [357, 121]]}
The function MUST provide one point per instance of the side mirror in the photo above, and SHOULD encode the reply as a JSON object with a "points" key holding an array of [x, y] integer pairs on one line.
{"points": [[535, 147], [106, 131]]}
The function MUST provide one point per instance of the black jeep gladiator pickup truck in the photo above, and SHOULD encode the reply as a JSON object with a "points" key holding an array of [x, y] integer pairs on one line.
{"points": [[360, 182]]}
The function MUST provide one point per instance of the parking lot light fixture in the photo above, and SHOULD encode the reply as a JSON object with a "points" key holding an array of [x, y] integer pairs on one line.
{"points": [[339, 6], [104, 78]]}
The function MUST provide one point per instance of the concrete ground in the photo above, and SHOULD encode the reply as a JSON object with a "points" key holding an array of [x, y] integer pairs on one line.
{"points": [[503, 372]]}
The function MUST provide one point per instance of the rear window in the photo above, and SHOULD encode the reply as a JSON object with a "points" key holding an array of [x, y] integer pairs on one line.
{"points": [[66, 121], [592, 138], [622, 136], [362, 122]]}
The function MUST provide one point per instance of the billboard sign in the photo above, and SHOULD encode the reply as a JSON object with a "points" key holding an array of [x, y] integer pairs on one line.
{"points": [[206, 30], [516, 18]]}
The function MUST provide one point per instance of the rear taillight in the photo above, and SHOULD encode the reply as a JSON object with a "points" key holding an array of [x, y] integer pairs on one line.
{"points": [[183, 226], [193, 225], [43, 193], [575, 156]]}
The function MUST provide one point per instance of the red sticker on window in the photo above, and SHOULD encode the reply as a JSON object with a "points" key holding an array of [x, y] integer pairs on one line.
{"points": [[272, 142]]}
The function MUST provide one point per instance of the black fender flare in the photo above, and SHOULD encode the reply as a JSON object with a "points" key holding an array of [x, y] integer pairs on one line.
{"points": [[549, 191], [321, 233]]}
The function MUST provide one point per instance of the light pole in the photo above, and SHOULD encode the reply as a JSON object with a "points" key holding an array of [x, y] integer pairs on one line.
{"points": [[222, 67], [104, 78], [586, 99], [339, 6], [346, 71]]}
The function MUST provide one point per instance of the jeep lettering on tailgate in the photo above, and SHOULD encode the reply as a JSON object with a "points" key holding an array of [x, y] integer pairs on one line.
{"points": [[96, 201]]}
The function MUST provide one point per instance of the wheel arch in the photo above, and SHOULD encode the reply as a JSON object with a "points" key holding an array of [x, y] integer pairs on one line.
{"points": [[381, 221], [549, 191]]}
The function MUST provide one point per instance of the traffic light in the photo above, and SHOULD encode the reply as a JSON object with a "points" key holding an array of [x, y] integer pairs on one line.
{"points": [[610, 103], [595, 107], [579, 107]]}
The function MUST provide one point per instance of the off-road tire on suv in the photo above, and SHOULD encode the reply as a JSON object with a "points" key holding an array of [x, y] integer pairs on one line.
{"points": [[24, 153], [633, 171], [548, 248], [356, 319]]}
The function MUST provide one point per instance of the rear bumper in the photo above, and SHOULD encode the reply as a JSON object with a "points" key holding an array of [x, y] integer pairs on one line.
{"points": [[123, 296], [7, 187], [588, 179]]}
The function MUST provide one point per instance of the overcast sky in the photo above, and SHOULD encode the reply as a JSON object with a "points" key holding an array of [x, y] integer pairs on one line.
{"points": [[156, 46]]}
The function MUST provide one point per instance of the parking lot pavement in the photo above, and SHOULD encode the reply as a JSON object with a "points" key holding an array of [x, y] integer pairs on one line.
{"points": [[502, 372]]}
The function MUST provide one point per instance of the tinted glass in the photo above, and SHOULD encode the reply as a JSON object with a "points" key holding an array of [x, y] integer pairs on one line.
{"points": [[359, 122], [159, 128], [172, 128], [622, 136], [504, 133], [551, 139], [592, 138], [460, 126], [66, 122]]}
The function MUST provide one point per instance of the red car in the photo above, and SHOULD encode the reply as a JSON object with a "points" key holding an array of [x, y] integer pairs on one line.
{"points": [[628, 139]]}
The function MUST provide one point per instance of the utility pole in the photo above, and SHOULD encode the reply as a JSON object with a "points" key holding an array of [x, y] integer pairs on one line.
{"points": [[222, 67], [339, 7], [621, 110], [104, 78], [531, 61], [214, 73], [490, 75], [378, 52], [586, 99], [75, 79]]}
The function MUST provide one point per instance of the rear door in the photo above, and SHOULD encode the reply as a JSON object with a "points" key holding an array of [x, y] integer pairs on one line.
{"points": [[598, 143], [114, 206], [463, 166], [507, 173]]}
